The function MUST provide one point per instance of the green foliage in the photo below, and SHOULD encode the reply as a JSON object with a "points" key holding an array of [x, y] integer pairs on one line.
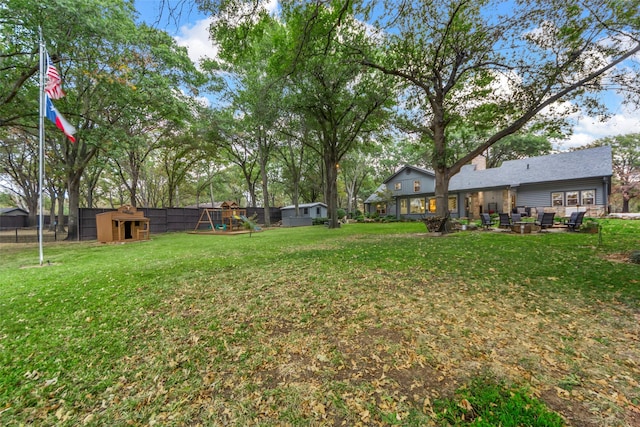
{"points": [[341, 213], [319, 221], [486, 402]]}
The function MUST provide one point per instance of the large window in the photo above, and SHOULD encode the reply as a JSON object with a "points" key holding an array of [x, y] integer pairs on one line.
{"points": [[381, 209], [557, 199], [453, 204], [404, 207], [416, 186], [588, 197], [398, 186], [572, 198], [417, 205]]}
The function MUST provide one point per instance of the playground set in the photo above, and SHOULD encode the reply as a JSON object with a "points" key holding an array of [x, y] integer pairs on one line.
{"points": [[229, 218]]}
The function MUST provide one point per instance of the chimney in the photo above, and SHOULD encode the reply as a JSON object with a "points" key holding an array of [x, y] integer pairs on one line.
{"points": [[480, 162]]}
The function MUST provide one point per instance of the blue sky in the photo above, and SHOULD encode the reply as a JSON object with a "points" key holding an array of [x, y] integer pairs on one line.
{"points": [[191, 30]]}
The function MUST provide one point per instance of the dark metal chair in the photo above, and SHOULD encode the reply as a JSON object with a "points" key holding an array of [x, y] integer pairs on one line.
{"points": [[487, 222], [575, 221], [505, 221], [545, 219], [516, 217]]}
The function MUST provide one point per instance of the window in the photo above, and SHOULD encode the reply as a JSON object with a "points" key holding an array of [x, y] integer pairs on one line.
{"points": [[432, 204], [398, 186], [318, 210], [557, 199], [404, 207], [588, 197], [417, 205], [453, 204], [306, 211], [381, 209], [416, 186], [572, 198]]}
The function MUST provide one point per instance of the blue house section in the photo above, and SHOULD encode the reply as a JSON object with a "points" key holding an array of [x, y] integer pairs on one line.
{"points": [[561, 183]]}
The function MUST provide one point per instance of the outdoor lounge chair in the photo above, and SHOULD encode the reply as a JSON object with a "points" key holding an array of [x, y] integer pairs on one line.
{"points": [[505, 221], [545, 220], [516, 217], [575, 221], [486, 220]]}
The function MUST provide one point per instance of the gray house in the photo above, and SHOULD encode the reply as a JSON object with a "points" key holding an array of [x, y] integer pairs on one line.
{"points": [[560, 183], [307, 212]]}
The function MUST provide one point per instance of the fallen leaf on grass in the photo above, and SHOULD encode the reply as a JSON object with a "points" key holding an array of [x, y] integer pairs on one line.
{"points": [[466, 405]]}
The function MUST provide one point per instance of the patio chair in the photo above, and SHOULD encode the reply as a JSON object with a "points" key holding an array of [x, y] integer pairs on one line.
{"points": [[575, 221], [486, 221], [545, 219], [505, 221], [516, 217]]}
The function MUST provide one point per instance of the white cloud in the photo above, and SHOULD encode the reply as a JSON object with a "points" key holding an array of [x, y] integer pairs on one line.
{"points": [[588, 129], [196, 38]]}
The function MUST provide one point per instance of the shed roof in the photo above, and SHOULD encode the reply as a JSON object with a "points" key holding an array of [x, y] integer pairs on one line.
{"points": [[587, 163], [305, 205], [13, 212]]}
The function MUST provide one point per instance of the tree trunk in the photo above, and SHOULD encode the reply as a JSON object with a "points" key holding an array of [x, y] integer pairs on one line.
{"points": [[626, 197], [331, 173], [60, 226], [265, 182], [442, 191], [74, 204], [438, 125], [52, 213]]}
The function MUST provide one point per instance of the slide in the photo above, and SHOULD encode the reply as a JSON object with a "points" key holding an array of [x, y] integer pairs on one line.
{"points": [[248, 222]]}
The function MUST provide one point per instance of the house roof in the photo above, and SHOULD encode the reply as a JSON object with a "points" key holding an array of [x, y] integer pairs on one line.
{"points": [[587, 163], [374, 198], [408, 167], [305, 205], [13, 212]]}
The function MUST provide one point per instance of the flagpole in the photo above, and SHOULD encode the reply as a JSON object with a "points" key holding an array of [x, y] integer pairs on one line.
{"points": [[41, 152]]}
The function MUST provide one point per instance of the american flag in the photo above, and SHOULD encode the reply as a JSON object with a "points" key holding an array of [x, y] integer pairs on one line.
{"points": [[53, 87]]}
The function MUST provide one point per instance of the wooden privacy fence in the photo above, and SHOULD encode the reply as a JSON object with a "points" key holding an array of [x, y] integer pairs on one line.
{"points": [[161, 220]]}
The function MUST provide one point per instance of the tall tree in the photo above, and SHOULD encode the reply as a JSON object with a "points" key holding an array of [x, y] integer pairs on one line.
{"points": [[19, 166], [626, 166], [498, 65], [257, 91], [110, 68], [341, 102]]}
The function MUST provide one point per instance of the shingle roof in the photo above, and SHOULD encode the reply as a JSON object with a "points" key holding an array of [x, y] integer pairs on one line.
{"points": [[13, 212], [415, 168], [305, 205], [587, 163], [374, 198]]}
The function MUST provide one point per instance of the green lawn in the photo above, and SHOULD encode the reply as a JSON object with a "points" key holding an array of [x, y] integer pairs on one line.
{"points": [[370, 324]]}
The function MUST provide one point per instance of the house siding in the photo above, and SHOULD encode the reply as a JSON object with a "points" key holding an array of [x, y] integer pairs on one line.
{"points": [[313, 211], [539, 195]]}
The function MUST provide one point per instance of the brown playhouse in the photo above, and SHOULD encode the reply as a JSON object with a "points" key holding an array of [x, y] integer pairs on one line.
{"points": [[124, 225], [228, 217]]}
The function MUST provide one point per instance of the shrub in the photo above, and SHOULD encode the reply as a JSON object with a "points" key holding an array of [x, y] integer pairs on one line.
{"points": [[341, 213]]}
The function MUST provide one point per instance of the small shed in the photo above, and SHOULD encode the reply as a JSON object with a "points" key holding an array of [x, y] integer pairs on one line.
{"points": [[13, 218], [307, 212], [125, 224]]}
